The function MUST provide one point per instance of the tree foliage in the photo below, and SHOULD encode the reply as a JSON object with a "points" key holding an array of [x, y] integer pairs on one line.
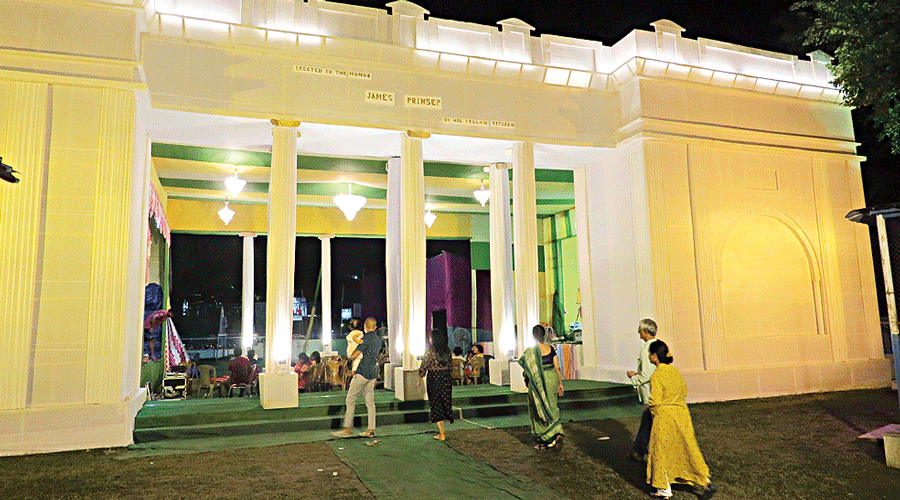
{"points": [[864, 36]]}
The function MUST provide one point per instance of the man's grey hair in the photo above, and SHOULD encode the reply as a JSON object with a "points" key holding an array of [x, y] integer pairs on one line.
{"points": [[648, 325]]}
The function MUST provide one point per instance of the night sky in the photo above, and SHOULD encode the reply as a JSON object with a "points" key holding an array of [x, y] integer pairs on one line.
{"points": [[763, 24]]}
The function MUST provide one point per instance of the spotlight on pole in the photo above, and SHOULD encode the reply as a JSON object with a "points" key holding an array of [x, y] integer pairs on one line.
{"points": [[6, 172]]}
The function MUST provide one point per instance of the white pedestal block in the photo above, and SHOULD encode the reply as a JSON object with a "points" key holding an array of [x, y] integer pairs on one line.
{"points": [[407, 385], [389, 375], [517, 377], [499, 369], [278, 390], [892, 450]]}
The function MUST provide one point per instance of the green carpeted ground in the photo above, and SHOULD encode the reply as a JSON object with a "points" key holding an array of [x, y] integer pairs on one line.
{"points": [[419, 467]]}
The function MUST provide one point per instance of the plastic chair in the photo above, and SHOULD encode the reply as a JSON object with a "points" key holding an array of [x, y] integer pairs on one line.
{"points": [[207, 373], [245, 389], [254, 380], [334, 373], [477, 369], [456, 370]]}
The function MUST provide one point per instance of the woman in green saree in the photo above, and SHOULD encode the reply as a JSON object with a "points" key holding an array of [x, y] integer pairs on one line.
{"points": [[544, 381]]}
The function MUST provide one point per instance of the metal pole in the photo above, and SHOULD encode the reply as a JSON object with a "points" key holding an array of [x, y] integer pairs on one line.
{"points": [[885, 252]]}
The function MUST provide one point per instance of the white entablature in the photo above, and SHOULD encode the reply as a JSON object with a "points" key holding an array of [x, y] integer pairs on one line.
{"points": [[406, 35]]}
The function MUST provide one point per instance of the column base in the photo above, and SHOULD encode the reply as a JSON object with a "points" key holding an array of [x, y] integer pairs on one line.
{"points": [[499, 370], [892, 450], [517, 377], [278, 390], [407, 385], [389, 375]]}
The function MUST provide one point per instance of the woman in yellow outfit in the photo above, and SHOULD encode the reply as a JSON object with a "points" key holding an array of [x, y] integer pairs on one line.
{"points": [[674, 455]]}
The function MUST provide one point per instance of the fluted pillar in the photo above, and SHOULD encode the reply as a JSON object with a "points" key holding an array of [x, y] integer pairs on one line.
{"points": [[585, 270], [247, 302], [109, 256], [278, 385], [20, 230], [411, 249], [503, 321], [326, 292], [392, 263], [525, 243]]}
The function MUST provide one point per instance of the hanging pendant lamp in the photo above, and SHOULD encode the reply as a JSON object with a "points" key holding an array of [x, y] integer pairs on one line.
{"points": [[482, 194], [430, 217], [226, 214], [349, 203], [234, 184]]}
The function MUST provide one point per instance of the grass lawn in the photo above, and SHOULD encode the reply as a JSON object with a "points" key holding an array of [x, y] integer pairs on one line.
{"points": [[791, 448]]}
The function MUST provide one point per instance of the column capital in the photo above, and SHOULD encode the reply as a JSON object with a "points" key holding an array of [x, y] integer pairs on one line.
{"points": [[252, 235], [326, 236], [285, 123], [501, 165], [417, 135]]}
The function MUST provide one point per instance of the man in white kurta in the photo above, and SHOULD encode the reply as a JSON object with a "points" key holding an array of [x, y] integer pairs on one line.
{"points": [[641, 382]]}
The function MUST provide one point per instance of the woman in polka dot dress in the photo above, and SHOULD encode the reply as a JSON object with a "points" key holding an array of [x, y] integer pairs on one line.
{"points": [[674, 453], [439, 382]]}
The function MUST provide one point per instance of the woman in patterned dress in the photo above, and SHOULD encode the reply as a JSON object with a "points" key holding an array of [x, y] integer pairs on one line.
{"points": [[674, 453], [439, 382]]}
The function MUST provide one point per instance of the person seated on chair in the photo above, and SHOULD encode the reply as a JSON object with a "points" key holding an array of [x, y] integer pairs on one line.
{"points": [[251, 355], [471, 370], [457, 353], [302, 368], [315, 376], [239, 368]]}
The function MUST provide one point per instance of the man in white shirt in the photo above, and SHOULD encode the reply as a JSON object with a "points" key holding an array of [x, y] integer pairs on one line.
{"points": [[641, 382]]}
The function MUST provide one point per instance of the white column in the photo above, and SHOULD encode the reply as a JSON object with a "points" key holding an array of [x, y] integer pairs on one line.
{"points": [[412, 248], [502, 293], [585, 272], [278, 386], [503, 322], [392, 262], [525, 243], [326, 291], [247, 301], [412, 264]]}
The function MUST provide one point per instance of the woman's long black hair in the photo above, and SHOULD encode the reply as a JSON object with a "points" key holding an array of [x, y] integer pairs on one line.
{"points": [[438, 341]]}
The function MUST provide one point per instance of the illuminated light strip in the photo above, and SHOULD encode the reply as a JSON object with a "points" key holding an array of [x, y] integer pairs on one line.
{"points": [[552, 75]]}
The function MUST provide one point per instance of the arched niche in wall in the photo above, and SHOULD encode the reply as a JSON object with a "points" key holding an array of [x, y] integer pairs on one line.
{"points": [[769, 291]]}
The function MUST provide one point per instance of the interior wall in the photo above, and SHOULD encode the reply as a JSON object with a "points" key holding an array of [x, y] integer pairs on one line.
{"points": [[561, 262], [202, 217]]}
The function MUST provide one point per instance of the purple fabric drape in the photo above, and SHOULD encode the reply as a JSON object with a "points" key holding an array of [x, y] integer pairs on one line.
{"points": [[448, 281], [483, 319], [374, 297]]}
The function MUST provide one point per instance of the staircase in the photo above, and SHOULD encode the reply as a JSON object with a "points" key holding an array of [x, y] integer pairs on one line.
{"points": [[217, 417]]}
